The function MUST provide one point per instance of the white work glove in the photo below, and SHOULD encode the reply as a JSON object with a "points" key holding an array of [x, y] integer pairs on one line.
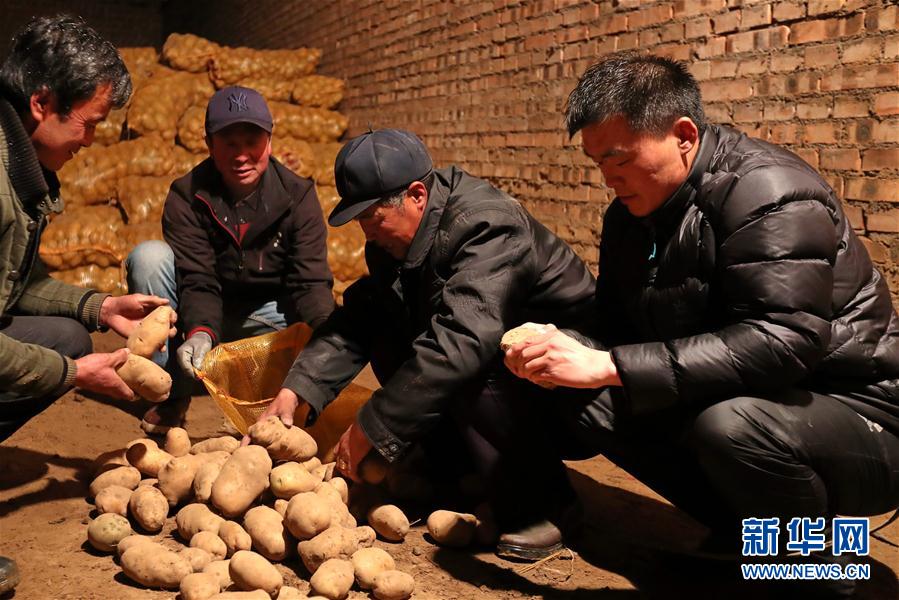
{"points": [[193, 351]]}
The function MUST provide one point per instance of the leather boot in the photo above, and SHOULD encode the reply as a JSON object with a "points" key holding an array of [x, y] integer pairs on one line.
{"points": [[9, 575], [532, 542]]}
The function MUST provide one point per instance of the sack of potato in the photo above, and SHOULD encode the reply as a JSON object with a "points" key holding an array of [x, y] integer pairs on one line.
{"points": [[192, 128], [346, 252], [88, 236], [271, 89], [91, 177], [317, 90], [157, 105], [188, 52], [327, 197], [325, 153], [143, 198], [307, 123], [294, 154], [229, 66], [183, 161], [140, 61], [108, 280], [132, 235], [110, 131]]}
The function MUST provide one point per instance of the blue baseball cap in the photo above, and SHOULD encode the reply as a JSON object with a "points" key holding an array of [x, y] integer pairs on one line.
{"points": [[375, 165], [236, 104]]}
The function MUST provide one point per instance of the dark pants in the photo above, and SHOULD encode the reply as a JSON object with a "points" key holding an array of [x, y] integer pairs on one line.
{"points": [[66, 336]]}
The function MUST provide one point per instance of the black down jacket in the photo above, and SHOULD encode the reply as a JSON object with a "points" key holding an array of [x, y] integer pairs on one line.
{"points": [[749, 279]]}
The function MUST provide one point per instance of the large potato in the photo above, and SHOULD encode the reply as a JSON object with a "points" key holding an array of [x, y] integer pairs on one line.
{"points": [[211, 543], [176, 478], [452, 529], [282, 442], [333, 579], [242, 478], [151, 333], [154, 566], [266, 528], [127, 477], [132, 540], [145, 455], [289, 479], [208, 473], [149, 508], [235, 537], [109, 460], [195, 518], [389, 522], [177, 442], [334, 542], [220, 569], [113, 499], [199, 586], [146, 378], [198, 558], [393, 585], [251, 571], [224, 443], [369, 563], [106, 531], [307, 515]]}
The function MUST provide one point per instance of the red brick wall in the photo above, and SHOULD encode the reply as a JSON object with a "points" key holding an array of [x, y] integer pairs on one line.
{"points": [[484, 83], [122, 22]]}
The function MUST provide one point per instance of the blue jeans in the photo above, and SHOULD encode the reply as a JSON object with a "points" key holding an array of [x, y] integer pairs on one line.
{"points": [[151, 270]]}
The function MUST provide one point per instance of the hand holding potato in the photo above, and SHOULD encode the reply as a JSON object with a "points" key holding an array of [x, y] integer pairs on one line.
{"points": [[123, 313], [97, 373], [351, 449], [283, 406]]}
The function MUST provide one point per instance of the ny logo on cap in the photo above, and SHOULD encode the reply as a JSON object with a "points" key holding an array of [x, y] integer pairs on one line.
{"points": [[237, 102]]}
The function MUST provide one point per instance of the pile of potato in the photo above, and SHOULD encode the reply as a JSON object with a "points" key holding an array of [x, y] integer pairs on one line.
{"points": [[237, 512], [159, 136]]}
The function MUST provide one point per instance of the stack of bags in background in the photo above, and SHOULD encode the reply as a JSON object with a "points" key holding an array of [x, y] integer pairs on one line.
{"points": [[115, 190]]}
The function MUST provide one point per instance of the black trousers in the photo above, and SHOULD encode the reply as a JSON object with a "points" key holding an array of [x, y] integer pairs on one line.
{"points": [[66, 336]]}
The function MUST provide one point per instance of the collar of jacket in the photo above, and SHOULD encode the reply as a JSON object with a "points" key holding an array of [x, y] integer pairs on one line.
{"points": [[272, 202], [670, 212], [441, 188], [36, 187]]}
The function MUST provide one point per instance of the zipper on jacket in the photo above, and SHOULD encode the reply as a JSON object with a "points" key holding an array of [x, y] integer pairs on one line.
{"points": [[216, 218]]}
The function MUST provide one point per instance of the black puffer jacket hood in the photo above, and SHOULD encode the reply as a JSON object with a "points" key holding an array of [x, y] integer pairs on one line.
{"points": [[749, 279]]}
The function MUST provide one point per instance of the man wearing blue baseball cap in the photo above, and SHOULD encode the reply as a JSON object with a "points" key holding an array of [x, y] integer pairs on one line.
{"points": [[245, 247], [453, 263]]}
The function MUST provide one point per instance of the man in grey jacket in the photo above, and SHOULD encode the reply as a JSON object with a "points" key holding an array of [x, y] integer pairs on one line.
{"points": [[453, 263]]}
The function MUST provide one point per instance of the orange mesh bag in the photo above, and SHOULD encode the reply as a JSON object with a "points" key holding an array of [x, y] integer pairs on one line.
{"points": [[243, 377], [188, 52], [271, 89], [192, 128], [325, 153], [140, 62], [143, 198], [294, 154], [307, 123], [157, 105], [109, 131], [108, 280], [185, 161], [87, 236], [317, 90], [229, 66]]}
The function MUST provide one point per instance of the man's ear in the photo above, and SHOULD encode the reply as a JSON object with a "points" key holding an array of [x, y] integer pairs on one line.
{"points": [[687, 134], [40, 105], [418, 192]]}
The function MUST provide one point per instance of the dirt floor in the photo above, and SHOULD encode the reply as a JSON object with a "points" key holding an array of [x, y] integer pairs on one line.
{"points": [[628, 549]]}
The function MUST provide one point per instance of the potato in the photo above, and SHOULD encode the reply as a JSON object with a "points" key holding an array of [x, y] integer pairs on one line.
{"points": [[177, 442], [242, 478], [235, 537], [132, 540], [283, 443], [251, 571], [373, 468], [151, 333], [146, 378], [324, 472], [333, 579], [220, 569], [176, 478], [109, 460], [105, 532], [370, 562], [150, 481], [208, 473], [199, 586], [291, 593], [266, 528], [393, 585], [149, 508], [311, 464], [253, 595], [113, 499], [281, 506], [145, 455], [289, 479], [334, 542], [154, 566], [223, 443], [519, 334], [389, 522], [340, 514], [307, 515], [211, 543], [198, 558], [127, 477], [195, 518], [452, 529], [339, 484]]}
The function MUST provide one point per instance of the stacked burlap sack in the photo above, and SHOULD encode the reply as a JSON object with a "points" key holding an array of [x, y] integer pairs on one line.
{"points": [[115, 190]]}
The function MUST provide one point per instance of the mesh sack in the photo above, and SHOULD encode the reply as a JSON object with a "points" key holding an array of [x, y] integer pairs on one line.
{"points": [[188, 52], [109, 131], [132, 235], [158, 105], [91, 177], [327, 197], [192, 129], [143, 198], [230, 66], [294, 154], [109, 280], [244, 376], [325, 154], [317, 90], [307, 123], [346, 252], [271, 89], [140, 62], [184, 161], [87, 236]]}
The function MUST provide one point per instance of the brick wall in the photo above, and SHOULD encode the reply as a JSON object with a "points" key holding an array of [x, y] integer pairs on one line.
{"points": [[122, 22], [484, 83]]}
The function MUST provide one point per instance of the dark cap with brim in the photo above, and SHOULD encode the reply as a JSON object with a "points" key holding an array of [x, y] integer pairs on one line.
{"points": [[376, 165], [236, 104]]}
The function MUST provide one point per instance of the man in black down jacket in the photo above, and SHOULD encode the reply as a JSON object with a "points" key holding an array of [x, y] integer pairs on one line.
{"points": [[453, 263], [746, 349], [245, 247]]}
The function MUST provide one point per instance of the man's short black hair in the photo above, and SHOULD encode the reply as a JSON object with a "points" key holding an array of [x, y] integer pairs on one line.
{"points": [[65, 56], [650, 92]]}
